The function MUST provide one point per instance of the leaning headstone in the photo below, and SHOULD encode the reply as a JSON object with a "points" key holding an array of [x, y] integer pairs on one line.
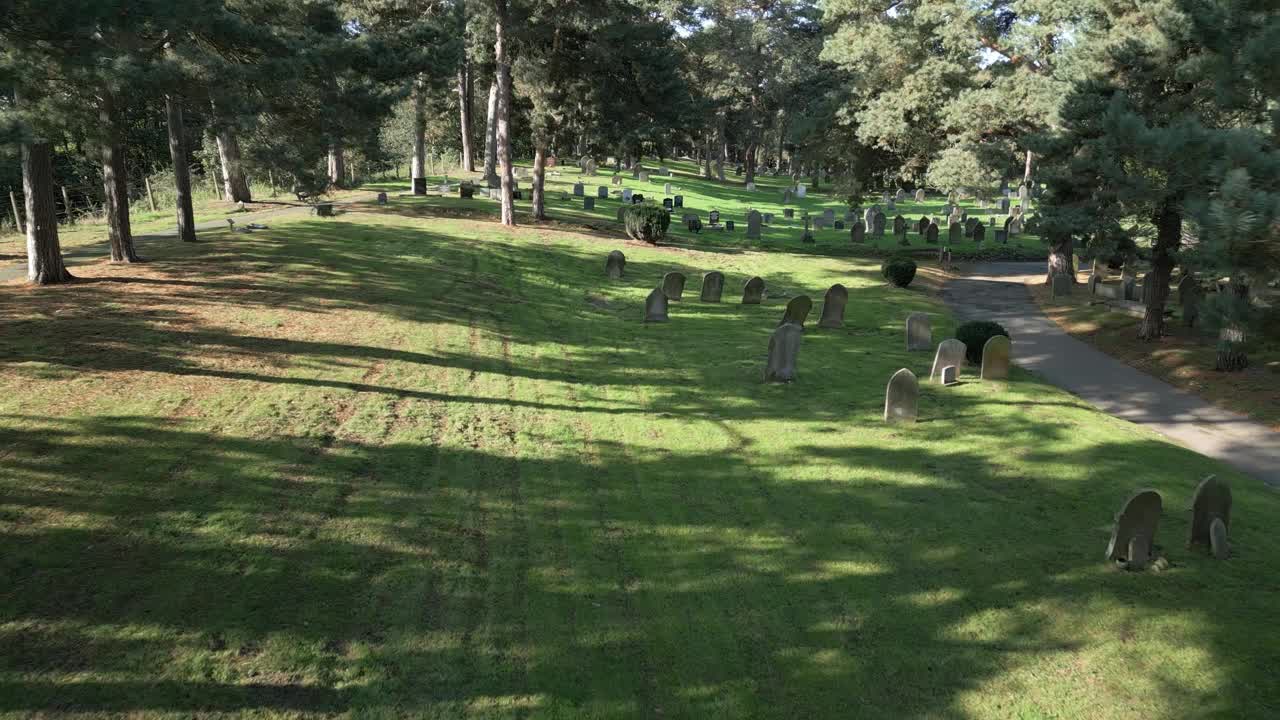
{"points": [[858, 233], [797, 311], [655, 306], [1189, 296], [995, 358], [1211, 516], [678, 201], [901, 397], [673, 285], [919, 331], [712, 286], [920, 195], [577, 190], [1134, 535], [753, 225], [588, 203], [784, 348], [1061, 285], [833, 307], [931, 233], [950, 352], [753, 291], [615, 264], [602, 192]]}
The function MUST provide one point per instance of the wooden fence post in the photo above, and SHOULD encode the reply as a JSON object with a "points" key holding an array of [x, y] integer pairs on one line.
{"points": [[66, 203], [151, 199]]}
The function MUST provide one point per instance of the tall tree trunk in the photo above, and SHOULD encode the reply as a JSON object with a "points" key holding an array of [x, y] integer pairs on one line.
{"points": [[464, 103], [1026, 173], [115, 183], [44, 252], [1168, 237], [337, 165], [181, 170], [1061, 259], [751, 163], [539, 180], [418, 165], [503, 124], [491, 134], [234, 183], [707, 156], [722, 152]]}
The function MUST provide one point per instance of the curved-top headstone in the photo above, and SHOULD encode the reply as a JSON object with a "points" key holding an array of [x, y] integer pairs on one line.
{"points": [[1134, 534], [712, 286], [615, 265], [955, 233], [919, 331], [797, 311], [784, 349], [931, 233], [920, 195], [754, 220], [878, 224], [577, 190], [858, 233], [673, 285], [950, 352], [602, 192], [833, 307], [979, 232], [922, 224], [1211, 507], [901, 397], [899, 225], [753, 291], [995, 358], [655, 306]]}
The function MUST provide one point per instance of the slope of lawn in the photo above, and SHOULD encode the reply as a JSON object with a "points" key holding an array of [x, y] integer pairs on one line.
{"points": [[393, 465]]}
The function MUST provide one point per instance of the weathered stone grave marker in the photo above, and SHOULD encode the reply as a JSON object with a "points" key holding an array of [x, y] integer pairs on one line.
{"points": [[753, 291], [673, 285], [901, 397], [1134, 535], [1211, 516], [995, 358], [655, 306], [712, 286], [919, 331], [833, 307], [950, 352], [797, 310], [784, 350]]}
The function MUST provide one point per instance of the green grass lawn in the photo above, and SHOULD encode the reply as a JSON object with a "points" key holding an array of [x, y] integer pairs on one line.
{"points": [[387, 465]]}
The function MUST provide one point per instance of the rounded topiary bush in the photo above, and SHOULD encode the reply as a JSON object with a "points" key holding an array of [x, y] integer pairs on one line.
{"points": [[646, 222], [975, 335], [899, 270]]}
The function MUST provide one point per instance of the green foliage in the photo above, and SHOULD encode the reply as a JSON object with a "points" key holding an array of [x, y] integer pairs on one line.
{"points": [[975, 334], [646, 222], [899, 270]]}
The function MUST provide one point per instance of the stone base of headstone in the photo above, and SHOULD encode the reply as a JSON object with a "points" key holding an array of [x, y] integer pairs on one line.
{"points": [[950, 376]]}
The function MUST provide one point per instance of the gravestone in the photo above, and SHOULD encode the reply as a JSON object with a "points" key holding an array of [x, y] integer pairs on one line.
{"points": [[1211, 516], [768, 218], [788, 213], [751, 187], [588, 203], [833, 307], [1024, 195], [920, 195], [786, 197], [1093, 284], [839, 225], [979, 232], [644, 177], [1129, 287], [858, 233], [931, 233], [878, 228], [919, 331], [602, 192], [577, 190], [819, 223], [1108, 292], [617, 179], [797, 311], [950, 353], [900, 195], [693, 223], [713, 218], [626, 194], [869, 217], [420, 185], [829, 215], [728, 226], [921, 225], [666, 204], [1189, 296], [901, 397], [666, 188], [955, 233], [382, 198], [1004, 206], [890, 206], [615, 264], [899, 226], [655, 306], [637, 199], [801, 190], [969, 225], [946, 258], [1002, 237], [784, 349], [995, 358], [753, 225], [678, 201], [1061, 285], [950, 375], [753, 291], [712, 286], [673, 285], [1134, 535]]}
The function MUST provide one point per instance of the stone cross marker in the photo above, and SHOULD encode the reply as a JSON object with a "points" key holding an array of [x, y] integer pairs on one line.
{"points": [[753, 291], [577, 190], [950, 352], [931, 233], [1134, 534], [919, 331], [655, 306], [615, 264], [858, 233], [901, 397], [833, 307], [673, 285], [1211, 516], [797, 311], [712, 286], [995, 358], [784, 349], [753, 225]]}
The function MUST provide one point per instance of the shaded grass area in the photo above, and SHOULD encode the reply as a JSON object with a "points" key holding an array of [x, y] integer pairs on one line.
{"points": [[380, 467], [1184, 357]]}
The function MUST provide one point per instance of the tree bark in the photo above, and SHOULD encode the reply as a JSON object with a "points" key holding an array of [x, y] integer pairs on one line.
{"points": [[706, 156], [491, 134], [503, 138], [44, 252], [539, 180], [750, 164], [235, 185], [1168, 237], [464, 105], [1061, 260], [418, 165], [337, 165], [115, 183], [181, 170], [1026, 173]]}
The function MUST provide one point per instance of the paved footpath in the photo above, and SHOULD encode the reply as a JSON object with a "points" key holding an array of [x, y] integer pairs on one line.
{"points": [[995, 291]]}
